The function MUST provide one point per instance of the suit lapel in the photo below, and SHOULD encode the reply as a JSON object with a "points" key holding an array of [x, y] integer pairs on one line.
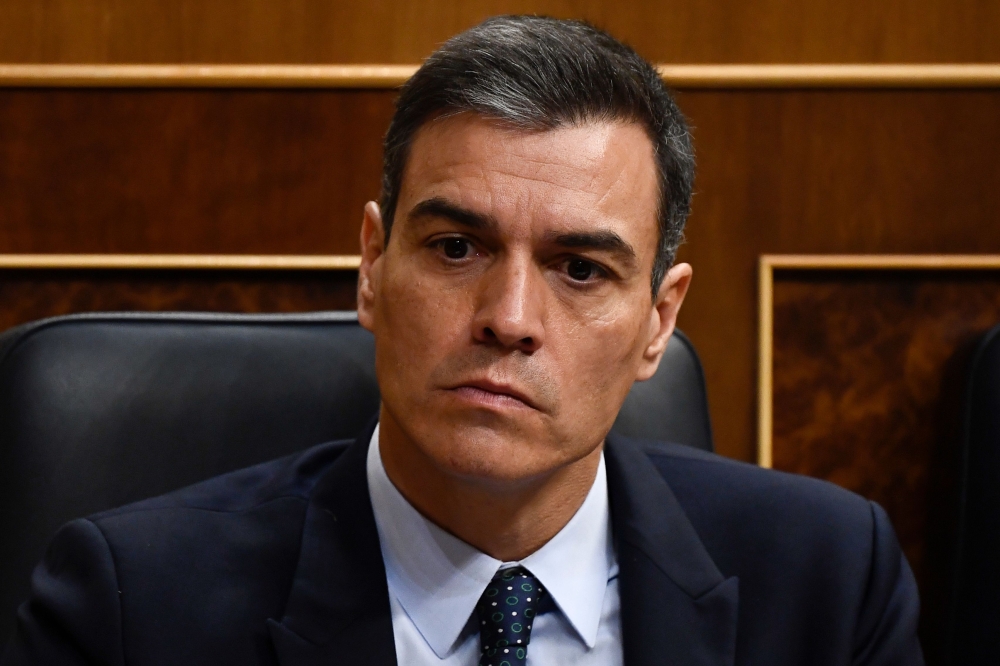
{"points": [[338, 609], [677, 608]]}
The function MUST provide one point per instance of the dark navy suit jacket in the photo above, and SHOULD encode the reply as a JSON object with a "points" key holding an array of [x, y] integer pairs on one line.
{"points": [[721, 563]]}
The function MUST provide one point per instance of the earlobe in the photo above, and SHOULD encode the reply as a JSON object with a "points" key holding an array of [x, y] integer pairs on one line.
{"points": [[663, 318], [372, 249]]}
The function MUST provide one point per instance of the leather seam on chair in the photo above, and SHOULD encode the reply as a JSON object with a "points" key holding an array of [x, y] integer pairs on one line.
{"points": [[317, 316], [21, 333], [966, 433], [700, 370]]}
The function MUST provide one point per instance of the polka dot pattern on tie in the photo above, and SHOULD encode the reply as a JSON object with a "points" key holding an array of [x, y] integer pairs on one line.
{"points": [[506, 611]]}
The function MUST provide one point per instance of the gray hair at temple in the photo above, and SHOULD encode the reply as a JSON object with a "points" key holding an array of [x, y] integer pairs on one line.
{"points": [[537, 73]]}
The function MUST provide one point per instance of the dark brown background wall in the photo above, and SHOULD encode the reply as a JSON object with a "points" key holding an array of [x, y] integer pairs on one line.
{"points": [[780, 171], [404, 31], [800, 172], [287, 171]]}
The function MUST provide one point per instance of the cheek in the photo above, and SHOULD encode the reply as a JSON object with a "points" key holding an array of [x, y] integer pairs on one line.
{"points": [[599, 361], [418, 322]]}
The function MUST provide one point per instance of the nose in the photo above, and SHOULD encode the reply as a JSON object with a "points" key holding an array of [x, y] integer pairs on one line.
{"points": [[510, 311]]}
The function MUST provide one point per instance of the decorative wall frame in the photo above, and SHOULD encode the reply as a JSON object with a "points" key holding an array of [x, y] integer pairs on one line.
{"points": [[769, 264], [378, 76], [35, 286], [181, 261]]}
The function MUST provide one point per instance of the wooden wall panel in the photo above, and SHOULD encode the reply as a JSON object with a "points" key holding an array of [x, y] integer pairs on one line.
{"points": [[168, 171], [793, 172], [288, 171], [869, 375], [407, 30], [29, 294], [780, 171]]}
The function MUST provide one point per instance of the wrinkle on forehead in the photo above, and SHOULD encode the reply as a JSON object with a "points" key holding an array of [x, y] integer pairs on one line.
{"points": [[594, 169], [515, 153], [513, 149]]}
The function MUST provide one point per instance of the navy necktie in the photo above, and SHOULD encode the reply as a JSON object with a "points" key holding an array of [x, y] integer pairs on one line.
{"points": [[506, 611]]}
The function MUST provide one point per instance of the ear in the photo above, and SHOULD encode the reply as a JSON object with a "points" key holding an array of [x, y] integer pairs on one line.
{"points": [[663, 318], [372, 249]]}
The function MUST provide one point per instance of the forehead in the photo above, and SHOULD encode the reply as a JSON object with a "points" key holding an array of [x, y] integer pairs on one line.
{"points": [[594, 172]]}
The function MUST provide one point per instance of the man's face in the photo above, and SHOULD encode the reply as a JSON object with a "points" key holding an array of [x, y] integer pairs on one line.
{"points": [[511, 307]]}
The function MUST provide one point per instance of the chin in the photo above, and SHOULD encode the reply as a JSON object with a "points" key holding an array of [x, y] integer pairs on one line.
{"points": [[493, 449]]}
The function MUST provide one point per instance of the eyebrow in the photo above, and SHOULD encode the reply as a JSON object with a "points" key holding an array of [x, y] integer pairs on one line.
{"points": [[601, 241], [439, 207]]}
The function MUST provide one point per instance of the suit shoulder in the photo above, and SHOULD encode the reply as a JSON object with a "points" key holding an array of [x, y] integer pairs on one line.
{"points": [[730, 486], [289, 477], [207, 564], [822, 559], [669, 459]]}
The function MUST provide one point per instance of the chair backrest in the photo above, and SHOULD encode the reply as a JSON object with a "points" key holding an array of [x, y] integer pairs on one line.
{"points": [[100, 410], [975, 630]]}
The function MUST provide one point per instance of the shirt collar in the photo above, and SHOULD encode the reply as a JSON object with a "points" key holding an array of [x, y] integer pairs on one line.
{"points": [[438, 578]]}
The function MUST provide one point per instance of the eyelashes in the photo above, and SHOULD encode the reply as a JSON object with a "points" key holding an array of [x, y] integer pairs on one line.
{"points": [[577, 269]]}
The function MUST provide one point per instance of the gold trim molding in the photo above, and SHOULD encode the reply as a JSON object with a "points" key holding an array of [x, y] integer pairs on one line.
{"points": [[378, 76], [767, 267], [181, 262], [205, 76], [831, 76]]}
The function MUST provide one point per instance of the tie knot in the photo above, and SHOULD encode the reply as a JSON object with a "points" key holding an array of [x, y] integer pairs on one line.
{"points": [[506, 611]]}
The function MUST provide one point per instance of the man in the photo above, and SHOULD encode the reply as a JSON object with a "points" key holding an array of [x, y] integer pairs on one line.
{"points": [[518, 278]]}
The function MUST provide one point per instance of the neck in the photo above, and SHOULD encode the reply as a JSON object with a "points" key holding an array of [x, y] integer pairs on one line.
{"points": [[507, 521]]}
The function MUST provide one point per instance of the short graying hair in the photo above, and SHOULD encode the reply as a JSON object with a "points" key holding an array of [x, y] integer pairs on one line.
{"points": [[537, 73]]}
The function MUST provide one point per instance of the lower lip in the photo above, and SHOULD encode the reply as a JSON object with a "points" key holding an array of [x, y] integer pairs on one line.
{"points": [[488, 398]]}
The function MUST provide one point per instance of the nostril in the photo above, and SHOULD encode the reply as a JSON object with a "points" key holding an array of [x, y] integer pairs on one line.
{"points": [[489, 335]]}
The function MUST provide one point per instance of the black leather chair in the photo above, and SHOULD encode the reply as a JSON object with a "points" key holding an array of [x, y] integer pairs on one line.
{"points": [[104, 409], [976, 612]]}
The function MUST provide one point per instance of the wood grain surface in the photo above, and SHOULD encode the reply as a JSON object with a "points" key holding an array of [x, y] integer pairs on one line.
{"points": [[377, 77], [288, 171], [869, 376], [186, 171], [865, 368], [405, 31], [29, 294], [847, 172]]}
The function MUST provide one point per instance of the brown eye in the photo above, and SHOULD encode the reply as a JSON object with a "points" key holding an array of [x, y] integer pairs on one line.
{"points": [[456, 248], [581, 270]]}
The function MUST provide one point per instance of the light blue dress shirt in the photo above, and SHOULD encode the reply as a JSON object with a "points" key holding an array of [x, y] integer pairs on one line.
{"points": [[435, 580]]}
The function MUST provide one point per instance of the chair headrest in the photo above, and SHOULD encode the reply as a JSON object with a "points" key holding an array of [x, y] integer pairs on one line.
{"points": [[975, 614], [100, 410]]}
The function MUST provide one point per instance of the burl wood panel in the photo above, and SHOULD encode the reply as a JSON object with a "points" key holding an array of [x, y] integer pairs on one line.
{"points": [[812, 172], [869, 375], [175, 171], [278, 171], [408, 30], [27, 295]]}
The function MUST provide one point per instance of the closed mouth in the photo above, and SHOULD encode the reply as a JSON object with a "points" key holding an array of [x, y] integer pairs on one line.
{"points": [[493, 394]]}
